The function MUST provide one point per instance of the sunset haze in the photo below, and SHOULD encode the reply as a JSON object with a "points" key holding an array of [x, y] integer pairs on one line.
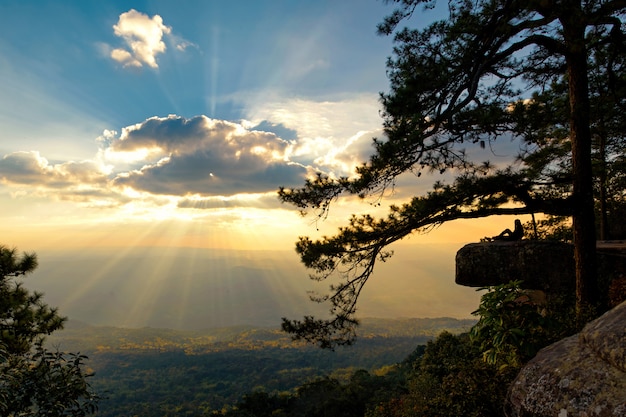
{"points": [[143, 144]]}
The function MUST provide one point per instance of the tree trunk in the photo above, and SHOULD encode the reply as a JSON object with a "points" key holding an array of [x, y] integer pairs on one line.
{"points": [[583, 219], [602, 169]]}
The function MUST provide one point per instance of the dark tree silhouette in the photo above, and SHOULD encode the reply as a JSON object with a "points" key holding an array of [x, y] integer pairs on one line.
{"points": [[33, 380], [470, 79]]}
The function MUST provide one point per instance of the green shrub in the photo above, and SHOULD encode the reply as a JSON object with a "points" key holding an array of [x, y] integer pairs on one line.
{"points": [[512, 327]]}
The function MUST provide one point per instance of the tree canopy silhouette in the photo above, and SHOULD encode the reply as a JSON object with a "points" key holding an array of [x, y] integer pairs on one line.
{"points": [[514, 69], [35, 381]]}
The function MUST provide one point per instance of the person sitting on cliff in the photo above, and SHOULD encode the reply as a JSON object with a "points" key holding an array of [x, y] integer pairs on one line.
{"points": [[508, 235]]}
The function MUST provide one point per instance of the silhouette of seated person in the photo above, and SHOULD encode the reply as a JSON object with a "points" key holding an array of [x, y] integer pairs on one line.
{"points": [[508, 235]]}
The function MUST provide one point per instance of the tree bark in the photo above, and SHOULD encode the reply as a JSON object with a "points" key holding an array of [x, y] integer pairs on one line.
{"points": [[602, 194], [583, 219]]}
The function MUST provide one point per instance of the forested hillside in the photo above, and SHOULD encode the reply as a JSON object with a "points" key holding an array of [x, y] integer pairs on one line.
{"points": [[158, 372]]}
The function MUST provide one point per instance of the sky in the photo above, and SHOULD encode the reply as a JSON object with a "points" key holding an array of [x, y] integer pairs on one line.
{"points": [[143, 142]]}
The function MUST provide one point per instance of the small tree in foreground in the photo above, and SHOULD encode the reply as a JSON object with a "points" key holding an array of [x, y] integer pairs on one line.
{"points": [[515, 323], [33, 380]]}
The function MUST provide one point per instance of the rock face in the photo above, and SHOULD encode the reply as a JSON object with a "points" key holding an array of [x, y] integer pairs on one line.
{"points": [[582, 375], [541, 265]]}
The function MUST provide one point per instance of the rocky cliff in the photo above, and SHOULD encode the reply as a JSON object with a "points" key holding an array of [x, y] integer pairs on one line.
{"points": [[582, 375], [541, 265]]}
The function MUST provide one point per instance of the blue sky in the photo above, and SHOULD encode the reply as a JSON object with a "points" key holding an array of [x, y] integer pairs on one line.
{"points": [[171, 124], [211, 58], [82, 82]]}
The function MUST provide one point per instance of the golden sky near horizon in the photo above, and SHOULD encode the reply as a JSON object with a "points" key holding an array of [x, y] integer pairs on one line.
{"points": [[164, 127]]}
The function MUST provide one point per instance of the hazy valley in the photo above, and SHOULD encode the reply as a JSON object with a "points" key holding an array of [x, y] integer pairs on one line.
{"points": [[157, 372], [198, 288]]}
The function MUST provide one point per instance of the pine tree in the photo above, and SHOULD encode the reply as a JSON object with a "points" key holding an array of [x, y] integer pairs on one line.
{"points": [[35, 381], [469, 80]]}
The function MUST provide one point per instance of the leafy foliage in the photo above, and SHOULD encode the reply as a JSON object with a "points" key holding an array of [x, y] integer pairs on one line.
{"points": [[235, 372], [446, 377], [450, 379], [512, 326], [45, 383], [33, 380], [322, 397], [466, 375], [163, 372]]}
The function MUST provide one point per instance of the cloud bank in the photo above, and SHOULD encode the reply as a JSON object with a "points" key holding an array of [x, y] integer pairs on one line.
{"points": [[206, 157], [200, 163]]}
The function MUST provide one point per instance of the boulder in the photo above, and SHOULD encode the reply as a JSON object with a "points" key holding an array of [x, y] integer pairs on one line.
{"points": [[582, 375], [541, 265]]}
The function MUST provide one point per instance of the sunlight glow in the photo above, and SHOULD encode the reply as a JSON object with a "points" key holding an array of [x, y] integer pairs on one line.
{"points": [[158, 183], [258, 150], [129, 157]]}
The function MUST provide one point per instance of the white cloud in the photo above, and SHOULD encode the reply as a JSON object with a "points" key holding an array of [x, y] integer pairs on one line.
{"points": [[125, 57], [192, 163], [32, 168], [202, 156], [342, 157], [28, 173], [333, 135], [265, 200], [144, 37], [204, 163]]}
